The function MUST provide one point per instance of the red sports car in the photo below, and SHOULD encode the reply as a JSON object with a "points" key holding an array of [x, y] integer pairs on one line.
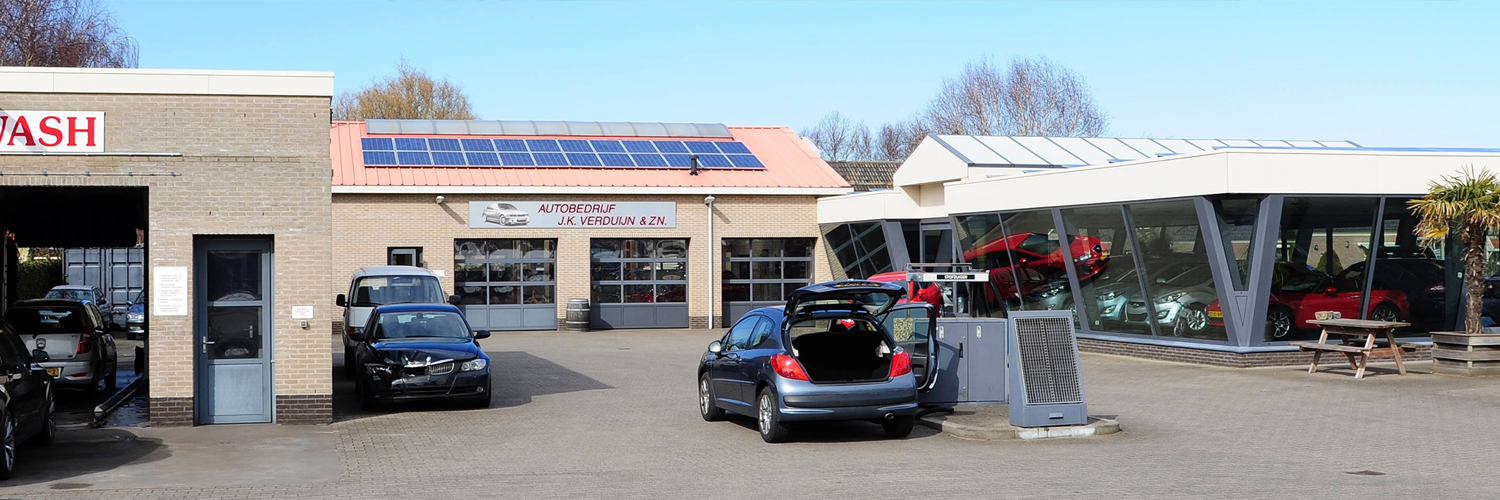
{"points": [[1037, 251], [915, 291], [1301, 293]]}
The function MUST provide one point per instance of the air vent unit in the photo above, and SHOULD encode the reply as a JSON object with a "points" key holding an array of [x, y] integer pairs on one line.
{"points": [[1047, 385]]}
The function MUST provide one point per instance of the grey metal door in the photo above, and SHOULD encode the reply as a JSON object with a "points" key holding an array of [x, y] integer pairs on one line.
{"points": [[639, 283], [986, 360], [119, 272], [953, 367], [232, 326]]}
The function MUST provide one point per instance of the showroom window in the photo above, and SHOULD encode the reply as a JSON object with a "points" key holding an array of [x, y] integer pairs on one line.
{"points": [[857, 250], [1416, 270], [1179, 282], [975, 235], [1039, 271], [1108, 277], [1236, 219], [1321, 255], [631, 271], [504, 271]]}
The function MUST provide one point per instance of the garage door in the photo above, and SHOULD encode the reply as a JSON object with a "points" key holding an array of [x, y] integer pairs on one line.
{"points": [[639, 283], [507, 284], [760, 272]]}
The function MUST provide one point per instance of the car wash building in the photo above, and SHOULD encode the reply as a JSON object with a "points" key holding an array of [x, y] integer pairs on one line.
{"points": [[657, 225], [1213, 251], [222, 177]]}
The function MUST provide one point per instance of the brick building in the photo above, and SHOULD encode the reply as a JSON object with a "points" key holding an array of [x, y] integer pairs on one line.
{"points": [[226, 172], [519, 217]]}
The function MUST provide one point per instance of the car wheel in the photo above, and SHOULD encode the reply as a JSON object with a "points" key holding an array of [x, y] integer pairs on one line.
{"points": [[772, 429], [1197, 318], [1278, 322], [49, 425], [708, 407], [1385, 312], [349, 370], [898, 427], [7, 446]]}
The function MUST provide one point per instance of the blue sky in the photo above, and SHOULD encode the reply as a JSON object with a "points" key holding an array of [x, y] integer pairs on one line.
{"points": [[1381, 74]]}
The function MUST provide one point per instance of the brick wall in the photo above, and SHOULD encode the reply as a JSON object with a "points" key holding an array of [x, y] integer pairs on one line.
{"points": [[245, 166], [366, 225], [1221, 358]]}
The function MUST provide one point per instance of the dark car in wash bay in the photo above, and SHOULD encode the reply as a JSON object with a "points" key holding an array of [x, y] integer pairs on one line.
{"points": [[416, 352], [845, 350]]}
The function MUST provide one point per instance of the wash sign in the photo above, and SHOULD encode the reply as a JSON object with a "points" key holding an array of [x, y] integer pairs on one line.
{"points": [[572, 214], [51, 131]]}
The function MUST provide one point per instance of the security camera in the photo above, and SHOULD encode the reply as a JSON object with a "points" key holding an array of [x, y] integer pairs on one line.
{"points": [[708, 200], [440, 198]]}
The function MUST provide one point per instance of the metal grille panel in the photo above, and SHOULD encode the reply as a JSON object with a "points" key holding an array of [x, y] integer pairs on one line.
{"points": [[1049, 365]]}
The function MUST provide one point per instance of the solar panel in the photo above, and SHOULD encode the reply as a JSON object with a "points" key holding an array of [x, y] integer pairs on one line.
{"points": [[733, 147], [543, 145], [702, 147], [448, 158], [516, 159], [608, 146], [443, 144], [550, 159], [713, 161], [380, 158], [448, 151], [478, 145], [510, 145], [649, 160], [584, 159], [576, 146], [639, 146], [413, 158], [376, 143], [615, 159], [483, 159], [670, 146]]}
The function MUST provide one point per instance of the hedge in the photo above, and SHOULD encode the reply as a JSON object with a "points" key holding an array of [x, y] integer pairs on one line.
{"points": [[38, 276]]}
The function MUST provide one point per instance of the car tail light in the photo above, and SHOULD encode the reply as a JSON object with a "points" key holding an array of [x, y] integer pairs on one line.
{"points": [[900, 363], [788, 367], [85, 343]]}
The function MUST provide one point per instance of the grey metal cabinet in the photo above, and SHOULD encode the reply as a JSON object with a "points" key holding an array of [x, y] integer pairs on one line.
{"points": [[972, 359]]}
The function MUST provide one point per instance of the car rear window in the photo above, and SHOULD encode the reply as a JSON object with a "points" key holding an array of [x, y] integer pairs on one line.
{"points": [[43, 320]]}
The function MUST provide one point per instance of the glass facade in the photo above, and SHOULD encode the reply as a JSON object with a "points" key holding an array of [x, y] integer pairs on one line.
{"points": [[857, 250], [504, 271], [1107, 277], [631, 271], [766, 269]]}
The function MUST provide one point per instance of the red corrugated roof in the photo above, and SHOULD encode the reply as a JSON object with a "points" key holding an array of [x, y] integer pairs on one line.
{"points": [[790, 163]]}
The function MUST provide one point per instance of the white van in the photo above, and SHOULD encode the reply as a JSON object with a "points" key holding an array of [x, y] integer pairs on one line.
{"points": [[380, 285]]}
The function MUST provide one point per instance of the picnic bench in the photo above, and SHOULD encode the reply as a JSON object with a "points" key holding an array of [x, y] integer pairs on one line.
{"points": [[1357, 342]]}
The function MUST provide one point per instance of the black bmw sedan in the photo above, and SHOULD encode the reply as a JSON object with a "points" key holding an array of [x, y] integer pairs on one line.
{"points": [[28, 412], [409, 352]]}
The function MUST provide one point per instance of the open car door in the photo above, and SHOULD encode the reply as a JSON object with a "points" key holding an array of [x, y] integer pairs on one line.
{"points": [[914, 327]]}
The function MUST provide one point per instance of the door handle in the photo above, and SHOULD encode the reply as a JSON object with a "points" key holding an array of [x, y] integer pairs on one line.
{"points": [[960, 349]]}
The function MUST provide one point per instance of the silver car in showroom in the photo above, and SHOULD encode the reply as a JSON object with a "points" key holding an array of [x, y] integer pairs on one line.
{"points": [[1181, 302]]}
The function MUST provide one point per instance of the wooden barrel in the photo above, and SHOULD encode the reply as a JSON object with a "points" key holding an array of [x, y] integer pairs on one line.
{"points": [[578, 315]]}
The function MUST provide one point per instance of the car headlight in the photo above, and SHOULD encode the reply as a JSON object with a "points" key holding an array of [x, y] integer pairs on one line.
{"points": [[1052, 292], [1083, 257], [1109, 310], [1171, 297], [473, 365], [135, 317], [378, 368], [1109, 295]]}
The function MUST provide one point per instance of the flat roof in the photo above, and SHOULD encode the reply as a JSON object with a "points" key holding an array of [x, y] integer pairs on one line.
{"points": [[166, 81]]}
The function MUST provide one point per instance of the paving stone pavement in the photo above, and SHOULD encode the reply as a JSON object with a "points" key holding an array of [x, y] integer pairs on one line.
{"points": [[611, 414]]}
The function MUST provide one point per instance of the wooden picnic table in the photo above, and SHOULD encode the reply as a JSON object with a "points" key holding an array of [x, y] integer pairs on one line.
{"points": [[1357, 342]]}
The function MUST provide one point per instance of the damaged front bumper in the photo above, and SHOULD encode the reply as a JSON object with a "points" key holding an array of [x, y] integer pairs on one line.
{"points": [[408, 383]]}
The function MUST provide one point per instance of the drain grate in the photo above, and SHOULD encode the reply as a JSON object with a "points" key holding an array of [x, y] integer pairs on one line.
{"points": [[1365, 472]]}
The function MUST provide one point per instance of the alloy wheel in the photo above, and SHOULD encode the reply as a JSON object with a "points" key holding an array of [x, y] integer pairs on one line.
{"points": [[10, 443], [703, 398], [765, 414], [1197, 318], [1279, 322], [1384, 314]]}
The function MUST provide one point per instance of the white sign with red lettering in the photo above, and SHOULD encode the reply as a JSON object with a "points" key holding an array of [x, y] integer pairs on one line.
{"points": [[51, 131], [579, 214]]}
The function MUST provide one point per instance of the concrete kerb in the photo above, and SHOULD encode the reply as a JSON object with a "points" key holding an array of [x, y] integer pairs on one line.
{"points": [[992, 425]]}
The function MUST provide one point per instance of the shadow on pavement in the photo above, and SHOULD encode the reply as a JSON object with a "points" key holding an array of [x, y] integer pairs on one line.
{"points": [[516, 378], [854, 431], [82, 453]]}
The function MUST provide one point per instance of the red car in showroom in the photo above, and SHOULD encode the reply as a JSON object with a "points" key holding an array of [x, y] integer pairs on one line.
{"points": [[1304, 292], [1038, 252]]}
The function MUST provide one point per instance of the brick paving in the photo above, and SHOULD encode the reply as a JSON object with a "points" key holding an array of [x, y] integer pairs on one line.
{"points": [[612, 415]]}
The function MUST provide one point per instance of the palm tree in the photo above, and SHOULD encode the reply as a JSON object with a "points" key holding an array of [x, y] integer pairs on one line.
{"points": [[1470, 204]]}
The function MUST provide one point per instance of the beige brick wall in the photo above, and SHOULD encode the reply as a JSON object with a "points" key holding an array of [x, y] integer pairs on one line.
{"points": [[254, 166], [366, 225]]}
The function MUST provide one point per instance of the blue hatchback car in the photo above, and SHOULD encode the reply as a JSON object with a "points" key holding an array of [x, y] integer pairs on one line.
{"points": [[844, 350]]}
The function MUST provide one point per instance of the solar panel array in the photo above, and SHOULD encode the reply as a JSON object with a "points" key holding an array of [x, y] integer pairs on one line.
{"points": [[598, 153], [1077, 151]]}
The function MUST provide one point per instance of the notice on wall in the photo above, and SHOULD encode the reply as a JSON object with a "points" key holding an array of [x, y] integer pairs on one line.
{"points": [[51, 131], [572, 214], [302, 312], [169, 291]]}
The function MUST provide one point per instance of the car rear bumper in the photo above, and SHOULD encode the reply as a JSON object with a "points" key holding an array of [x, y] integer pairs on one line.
{"points": [[801, 400], [849, 412], [80, 373]]}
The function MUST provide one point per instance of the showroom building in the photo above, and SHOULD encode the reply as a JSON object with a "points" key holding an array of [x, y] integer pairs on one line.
{"points": [[658, 225], [1213, 251], [222, 176]]}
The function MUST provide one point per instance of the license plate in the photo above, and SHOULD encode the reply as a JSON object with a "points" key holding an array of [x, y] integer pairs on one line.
{"points": [[1216, 314], [54, 371]]}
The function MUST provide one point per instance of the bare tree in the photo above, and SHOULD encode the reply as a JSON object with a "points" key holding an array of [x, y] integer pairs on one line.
{"points": [[63, 33], [411, 94], [1029, 97], [840, 139], [897, 140]]}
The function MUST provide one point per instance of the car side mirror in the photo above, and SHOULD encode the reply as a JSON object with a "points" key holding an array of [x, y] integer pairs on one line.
{"points": [[341, 301], [356, 335], [454, 299], [481, 334], [40, 356], [716, 347]]}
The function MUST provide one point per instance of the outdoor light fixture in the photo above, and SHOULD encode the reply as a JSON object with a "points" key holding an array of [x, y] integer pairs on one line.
{"points": [[440, 199]]}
